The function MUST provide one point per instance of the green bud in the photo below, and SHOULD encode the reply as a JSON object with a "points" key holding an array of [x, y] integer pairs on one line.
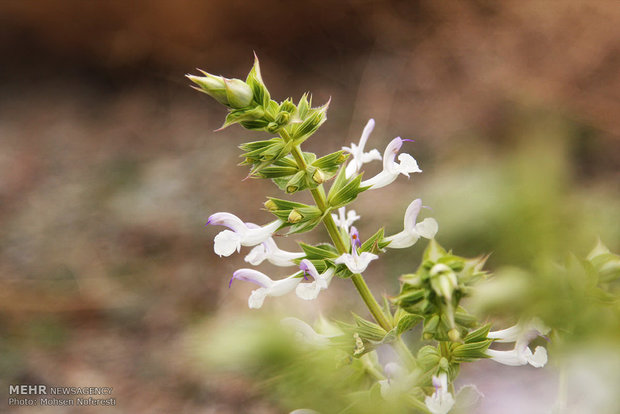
{"points": [[295, 216], [213, 86], [291, 189], [318, 176], [270, 205], [233, 93], [282, 118], [273, 127], [238, 92], [444, 364], [454, 335], [427, 336], [431, 324]]}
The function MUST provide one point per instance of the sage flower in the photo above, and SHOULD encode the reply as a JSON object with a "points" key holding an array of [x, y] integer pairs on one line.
{"points": [[268, 250], [345, 219], [521, 334], [412, 231], [441, 401], [268, 287], [398, 381], [359, 156], [240, 233], [309, 291], [305, 333], [356, 263], [391, 168]]}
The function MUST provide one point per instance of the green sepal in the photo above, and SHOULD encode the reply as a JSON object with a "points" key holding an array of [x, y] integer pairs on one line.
{"points": [[375, 243], [428, 357], [478, 335], [304, 226], [275, 171], [283, 209], [470, 352], [345, 192], [369, 331], [330, 163], [249, 118], [312, 120], [406, 322], [303, 106], [255, 80], [319, 252]]}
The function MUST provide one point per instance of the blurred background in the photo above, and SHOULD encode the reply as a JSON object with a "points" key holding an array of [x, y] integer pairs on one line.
{"points": [[110, 168]]}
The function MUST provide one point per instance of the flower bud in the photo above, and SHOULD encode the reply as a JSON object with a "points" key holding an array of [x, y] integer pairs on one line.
{"points": [[295, 216], [282, 118], [273, 127], [234, 93], [454, 335], [270, 205], [238, 92], [318, 176]]}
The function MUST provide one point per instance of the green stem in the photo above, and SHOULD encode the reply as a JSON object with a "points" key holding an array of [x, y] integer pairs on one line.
{"points": [[319, 198]]}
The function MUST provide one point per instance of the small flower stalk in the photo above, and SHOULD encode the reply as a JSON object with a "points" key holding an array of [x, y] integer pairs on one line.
{"points": [[430, 297]]}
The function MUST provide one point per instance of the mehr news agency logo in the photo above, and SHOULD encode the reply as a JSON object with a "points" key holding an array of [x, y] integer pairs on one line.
{"points": [[43, 395]]}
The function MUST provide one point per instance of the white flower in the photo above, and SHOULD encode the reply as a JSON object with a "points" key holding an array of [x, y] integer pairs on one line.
{"points": [[441, 401], [412, 231], [343, 220], [309, 291], [268, 287], [268, 250], [240, 233], [305, 333], [357, 263], [391, 169], [359, 156], [521, 334], [398, 381]]}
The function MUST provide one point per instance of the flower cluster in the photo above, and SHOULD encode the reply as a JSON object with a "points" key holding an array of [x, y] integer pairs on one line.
{"points": [[430, 297]]}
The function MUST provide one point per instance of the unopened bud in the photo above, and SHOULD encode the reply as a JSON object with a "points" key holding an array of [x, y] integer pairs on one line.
{"points": [[213, 86], [318, 176], [454, 335], [234, 93], [270, 205], [295, 216], [427, 336], [282, 118], [238, 92], [273, 127]]}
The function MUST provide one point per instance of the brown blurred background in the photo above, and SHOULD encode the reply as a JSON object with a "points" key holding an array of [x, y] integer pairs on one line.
{"points": [[109, 166]]}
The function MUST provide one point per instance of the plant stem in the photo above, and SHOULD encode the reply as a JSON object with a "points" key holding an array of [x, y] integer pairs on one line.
{"points": [[358, 280]]}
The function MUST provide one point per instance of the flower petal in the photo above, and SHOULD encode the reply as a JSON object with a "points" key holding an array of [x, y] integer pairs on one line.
{"points": [[427, 228], [226, 242]]}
